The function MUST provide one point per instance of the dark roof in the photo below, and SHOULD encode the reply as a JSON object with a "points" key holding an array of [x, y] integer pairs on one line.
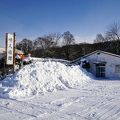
{"points": [[97, 51]]}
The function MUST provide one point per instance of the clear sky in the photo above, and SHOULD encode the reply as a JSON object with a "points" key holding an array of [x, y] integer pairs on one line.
{"points": [[33, 18]]}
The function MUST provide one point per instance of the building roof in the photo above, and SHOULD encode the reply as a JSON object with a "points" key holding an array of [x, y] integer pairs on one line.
{"points": [[2, 51], [19, 51], [97, 51]]}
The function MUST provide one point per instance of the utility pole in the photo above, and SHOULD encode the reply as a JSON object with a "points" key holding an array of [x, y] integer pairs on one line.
{"points": [[14, 47]]}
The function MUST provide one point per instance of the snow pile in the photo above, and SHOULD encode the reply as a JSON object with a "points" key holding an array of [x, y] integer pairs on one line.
{"points": [[41, 77]]}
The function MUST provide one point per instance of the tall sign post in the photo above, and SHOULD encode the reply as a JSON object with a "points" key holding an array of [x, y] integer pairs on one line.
{"points": [[14, 51], [10, 49]]}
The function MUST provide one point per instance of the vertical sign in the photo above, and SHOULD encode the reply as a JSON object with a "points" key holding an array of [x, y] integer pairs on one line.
{"points": [[10, 49]]}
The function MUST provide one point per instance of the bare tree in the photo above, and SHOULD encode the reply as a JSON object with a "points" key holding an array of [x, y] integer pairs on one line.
{"points": [[25, 45], [42, 43], [68, 39], [99, 38], [47, 41], [113, 32], [53, 38], [37, 43]]}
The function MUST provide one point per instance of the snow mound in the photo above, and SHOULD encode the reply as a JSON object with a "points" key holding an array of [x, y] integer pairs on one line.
{"points": [[41, 77]]}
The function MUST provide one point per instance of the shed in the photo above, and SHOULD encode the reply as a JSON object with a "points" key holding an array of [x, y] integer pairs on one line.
{"points": [[2, 52], [103, 64]]}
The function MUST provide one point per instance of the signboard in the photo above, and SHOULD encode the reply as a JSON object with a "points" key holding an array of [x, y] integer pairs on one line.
{"points": [[10, 49]]}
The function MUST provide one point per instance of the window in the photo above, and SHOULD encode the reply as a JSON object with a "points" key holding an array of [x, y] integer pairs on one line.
{"points": [[100, 70], [117, 68]]}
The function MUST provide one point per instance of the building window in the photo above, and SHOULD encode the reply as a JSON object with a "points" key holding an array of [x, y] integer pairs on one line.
{"points": [[117, 68], [100, 70]]}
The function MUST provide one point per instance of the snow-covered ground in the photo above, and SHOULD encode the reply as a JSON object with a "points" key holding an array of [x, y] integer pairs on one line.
{"points": [[97, 100], [52, 90]]}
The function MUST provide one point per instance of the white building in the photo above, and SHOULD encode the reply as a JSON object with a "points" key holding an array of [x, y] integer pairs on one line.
{"points": [[103, 64], [2, 52]]}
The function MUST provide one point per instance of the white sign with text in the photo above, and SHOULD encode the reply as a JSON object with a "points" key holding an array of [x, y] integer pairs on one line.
{"points": [[10, 49]]}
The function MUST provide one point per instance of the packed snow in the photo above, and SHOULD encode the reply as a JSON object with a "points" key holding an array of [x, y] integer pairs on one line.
{"points": [[95, 100], [41, 77], [29, 94]]}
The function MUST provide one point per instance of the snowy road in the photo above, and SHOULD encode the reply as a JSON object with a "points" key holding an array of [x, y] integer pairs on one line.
{"points": [[97, 100]]}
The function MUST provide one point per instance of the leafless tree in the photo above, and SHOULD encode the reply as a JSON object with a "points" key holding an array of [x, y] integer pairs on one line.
{"points": [[113, 32], [53, 38], [68, 39], [99, 38], [25, 45], [47, 41]]}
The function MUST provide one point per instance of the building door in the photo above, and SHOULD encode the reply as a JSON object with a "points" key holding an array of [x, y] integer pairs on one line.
{"points": [[100, 70]]}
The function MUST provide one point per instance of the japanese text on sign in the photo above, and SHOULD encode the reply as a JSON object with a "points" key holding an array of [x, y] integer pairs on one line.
{"points": [[10, 47]]}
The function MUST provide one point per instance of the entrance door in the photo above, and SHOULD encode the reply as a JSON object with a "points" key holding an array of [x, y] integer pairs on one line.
{"points": [[100, 70]]}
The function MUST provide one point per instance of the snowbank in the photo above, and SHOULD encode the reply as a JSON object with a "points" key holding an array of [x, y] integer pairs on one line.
{"points": [[41, 77]]}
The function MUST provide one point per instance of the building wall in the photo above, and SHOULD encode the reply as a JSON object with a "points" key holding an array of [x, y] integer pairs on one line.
{"points": [[93, 68], [111, 62]]}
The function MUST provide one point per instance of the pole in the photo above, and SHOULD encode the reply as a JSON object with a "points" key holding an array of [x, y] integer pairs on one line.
{"points": [[6, 48], [14, 47], [5, 57]]}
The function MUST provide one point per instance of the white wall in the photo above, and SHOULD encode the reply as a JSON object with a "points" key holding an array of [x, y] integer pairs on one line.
{"points": [[110, 60]]}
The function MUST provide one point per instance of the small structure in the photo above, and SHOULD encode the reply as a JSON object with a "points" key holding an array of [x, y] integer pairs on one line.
{"points": [[19, 52], [2, 52], [103, 64]]}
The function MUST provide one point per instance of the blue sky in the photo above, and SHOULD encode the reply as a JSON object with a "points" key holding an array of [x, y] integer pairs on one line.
{"points": [[33, 18]]}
